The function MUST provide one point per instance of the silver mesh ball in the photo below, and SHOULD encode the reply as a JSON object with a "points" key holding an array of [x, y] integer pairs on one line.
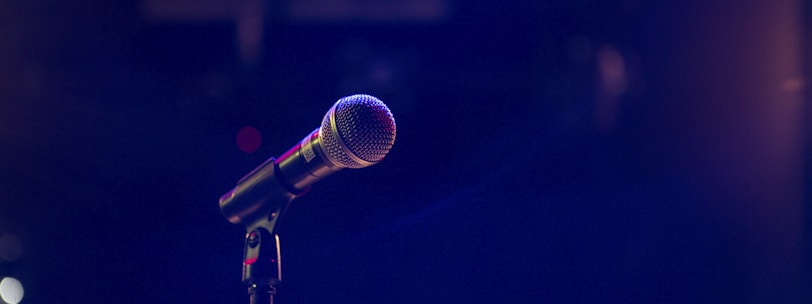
{"points": [[358, 131]]}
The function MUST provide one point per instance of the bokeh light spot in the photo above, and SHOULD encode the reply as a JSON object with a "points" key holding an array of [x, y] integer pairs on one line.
{"points": [[10, 247], [11, 290], [249, 139]]}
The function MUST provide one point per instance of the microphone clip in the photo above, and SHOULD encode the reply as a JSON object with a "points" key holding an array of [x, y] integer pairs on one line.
{"points": [[258, 201]]}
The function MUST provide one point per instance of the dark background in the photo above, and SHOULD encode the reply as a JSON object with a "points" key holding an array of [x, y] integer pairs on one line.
{"points": [[547, 151]]}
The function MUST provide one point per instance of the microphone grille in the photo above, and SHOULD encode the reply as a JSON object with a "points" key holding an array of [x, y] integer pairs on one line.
{"points": [[358, 131]]}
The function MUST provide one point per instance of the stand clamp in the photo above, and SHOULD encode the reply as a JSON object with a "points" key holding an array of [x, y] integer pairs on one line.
{"points": [[258, 201]]}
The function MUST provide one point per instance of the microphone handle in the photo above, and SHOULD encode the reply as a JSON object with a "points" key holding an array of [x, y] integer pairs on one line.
{"points": [[305, 164], [274, 183], [256, 195]]}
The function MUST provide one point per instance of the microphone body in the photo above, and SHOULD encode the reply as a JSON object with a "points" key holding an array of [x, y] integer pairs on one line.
{"points": [[358, 131], [304, 164]]}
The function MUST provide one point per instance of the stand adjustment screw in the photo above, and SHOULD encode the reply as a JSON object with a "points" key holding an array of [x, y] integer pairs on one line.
{"points": [[253, 239]]}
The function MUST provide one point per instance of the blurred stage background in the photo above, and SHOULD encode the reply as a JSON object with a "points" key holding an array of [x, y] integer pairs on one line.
{"points": [[547, 151]]}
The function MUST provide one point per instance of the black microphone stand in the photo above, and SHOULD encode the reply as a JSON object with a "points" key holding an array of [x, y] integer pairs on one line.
{"points": [[258, 201], [262, 264]]}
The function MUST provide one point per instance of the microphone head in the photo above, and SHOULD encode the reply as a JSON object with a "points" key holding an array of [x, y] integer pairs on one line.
{"points": [[357, 131]]}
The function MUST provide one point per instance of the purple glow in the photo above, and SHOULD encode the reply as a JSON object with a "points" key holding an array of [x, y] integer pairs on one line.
{"points": [[249, 139]]}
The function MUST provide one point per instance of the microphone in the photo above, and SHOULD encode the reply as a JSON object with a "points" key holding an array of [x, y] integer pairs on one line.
{"points": [[358, 131]]}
